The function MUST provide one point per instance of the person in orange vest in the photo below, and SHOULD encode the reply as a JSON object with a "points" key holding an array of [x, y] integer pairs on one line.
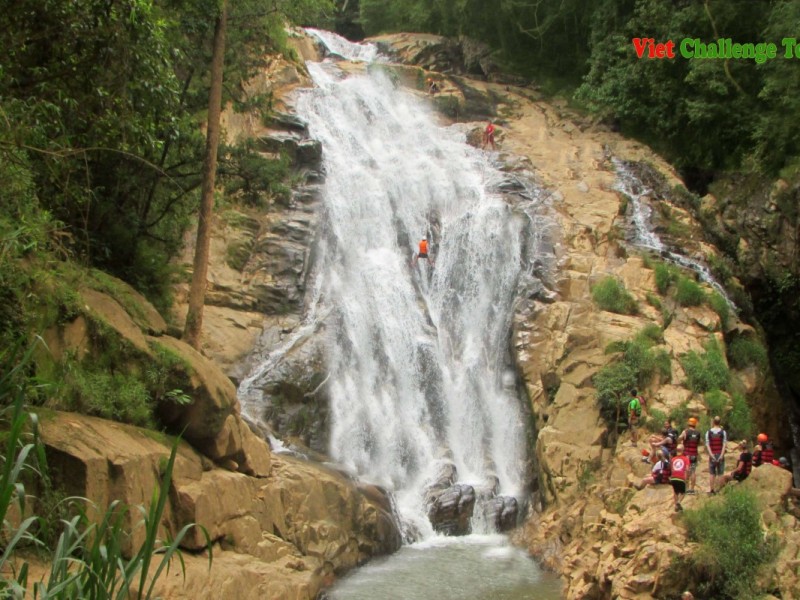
{"points": [[423, 251], [488, 135]]}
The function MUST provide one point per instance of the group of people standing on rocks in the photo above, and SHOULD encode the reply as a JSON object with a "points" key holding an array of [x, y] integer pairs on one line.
{"points": [[674, 456]]}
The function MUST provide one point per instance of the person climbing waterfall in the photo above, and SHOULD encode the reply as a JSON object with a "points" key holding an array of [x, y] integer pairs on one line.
{"points": [[423, 252], [488, 135], [433, 87]]}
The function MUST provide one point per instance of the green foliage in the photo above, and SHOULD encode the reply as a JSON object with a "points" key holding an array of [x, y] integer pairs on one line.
{"points": [[679, 415], [612, 386], [707, 371], [720, 306], [654, 301], [740, 420], [651, 332], [665, 275], [732, 546], [113, 155], [688, 292], [716, 402], [253, 179], [656, 421], [587, 473], [637, 364], [87, 560], [744, 352], [610, 294], [115, 396]]}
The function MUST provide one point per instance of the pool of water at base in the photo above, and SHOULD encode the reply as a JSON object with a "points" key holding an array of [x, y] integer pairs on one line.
{"points": [[475, 567]]}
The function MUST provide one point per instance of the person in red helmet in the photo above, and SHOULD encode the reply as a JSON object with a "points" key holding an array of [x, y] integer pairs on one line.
{"points": [[690, 438], [764, 451]]}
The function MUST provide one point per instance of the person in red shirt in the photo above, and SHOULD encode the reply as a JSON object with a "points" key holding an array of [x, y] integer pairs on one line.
{"points": [[488, 135], [679, 470], [423, 251]]}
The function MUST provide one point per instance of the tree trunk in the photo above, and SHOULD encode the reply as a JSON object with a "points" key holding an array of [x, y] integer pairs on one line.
{"points": [[197, 292]]}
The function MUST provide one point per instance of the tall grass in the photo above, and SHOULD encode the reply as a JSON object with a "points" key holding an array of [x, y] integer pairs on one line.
{"points": [[611, 295], [88, 560], [707, 371]]}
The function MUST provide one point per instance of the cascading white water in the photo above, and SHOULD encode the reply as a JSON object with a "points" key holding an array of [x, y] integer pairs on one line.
{"points": [[644, 236], [417, 366]]}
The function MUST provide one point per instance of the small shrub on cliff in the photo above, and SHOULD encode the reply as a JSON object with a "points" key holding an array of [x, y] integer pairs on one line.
{"points": [[720, 306], [716, 402], [636, 367], [744, 352], [665, 275], [689, 293], [611, 295], [656, 421], [740, 419], [707, 371], [732, 548], [612, 386]]}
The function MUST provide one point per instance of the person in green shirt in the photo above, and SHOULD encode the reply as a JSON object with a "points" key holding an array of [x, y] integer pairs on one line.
{"points": [[635, 405]]}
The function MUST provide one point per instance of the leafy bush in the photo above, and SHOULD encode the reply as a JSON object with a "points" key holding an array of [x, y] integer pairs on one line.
{"points": [[689, 293], [740, 419], [665, 275], [651, 332], [654, 301], [732, 547], [707, 371], [744, 352], [716, 402], [611, 295], [679, 415], [720, 306], [612, 386], [656, 421], [636, 366]]}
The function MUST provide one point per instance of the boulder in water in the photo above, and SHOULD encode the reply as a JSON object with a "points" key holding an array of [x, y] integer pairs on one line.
{"points": [[501, 512], [450, 510]]}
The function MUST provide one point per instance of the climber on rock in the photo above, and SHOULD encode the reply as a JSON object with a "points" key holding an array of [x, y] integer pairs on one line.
{"points": [[423, 252]]}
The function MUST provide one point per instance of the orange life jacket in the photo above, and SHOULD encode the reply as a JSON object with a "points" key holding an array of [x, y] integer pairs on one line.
{"points": [[423, 247]]}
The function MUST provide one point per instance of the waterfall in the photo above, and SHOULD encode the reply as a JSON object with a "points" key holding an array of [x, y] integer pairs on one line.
{"points": [[418, 370], [643, 235]]}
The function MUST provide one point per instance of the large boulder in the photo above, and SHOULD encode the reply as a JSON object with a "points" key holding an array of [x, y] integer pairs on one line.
{"points": [[285, 536]]}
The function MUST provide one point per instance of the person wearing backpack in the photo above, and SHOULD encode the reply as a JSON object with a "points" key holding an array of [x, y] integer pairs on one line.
{"points": [[634, 414]]}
